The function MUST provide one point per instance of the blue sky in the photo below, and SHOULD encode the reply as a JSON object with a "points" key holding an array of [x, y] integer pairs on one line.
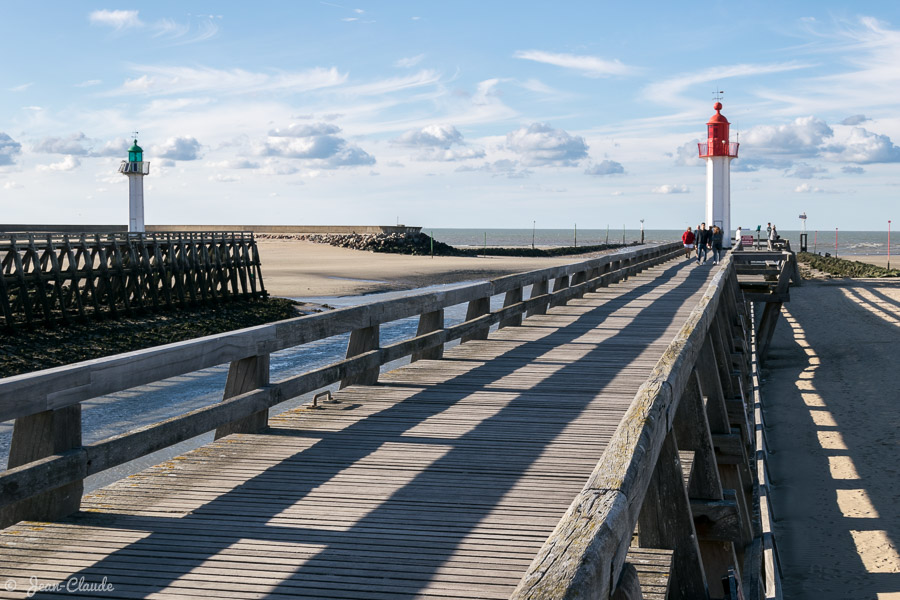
{"points": [[462, 114]]}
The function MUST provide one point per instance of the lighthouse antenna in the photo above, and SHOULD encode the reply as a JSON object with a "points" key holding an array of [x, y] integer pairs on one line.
{"points": [[134, 134], [717, 95]]}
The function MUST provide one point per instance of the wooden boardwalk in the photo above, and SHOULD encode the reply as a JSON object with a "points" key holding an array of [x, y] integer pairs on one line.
{"points": [[442, 481]]}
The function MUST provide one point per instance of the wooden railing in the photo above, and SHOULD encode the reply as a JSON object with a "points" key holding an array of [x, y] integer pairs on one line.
{"points": [[697, 406], [47, 462]]}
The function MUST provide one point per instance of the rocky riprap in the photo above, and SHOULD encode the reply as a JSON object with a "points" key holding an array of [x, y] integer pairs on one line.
{"points": [[839, 267], [420, 244]]}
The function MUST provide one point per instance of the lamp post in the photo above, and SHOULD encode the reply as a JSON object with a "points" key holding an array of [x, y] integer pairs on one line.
{"points": [[533, 224], [889, 245], [642, 231]]}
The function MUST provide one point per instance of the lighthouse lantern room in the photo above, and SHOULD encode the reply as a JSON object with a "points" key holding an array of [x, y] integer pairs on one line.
{"points": [[135, 168], [718, 152]]}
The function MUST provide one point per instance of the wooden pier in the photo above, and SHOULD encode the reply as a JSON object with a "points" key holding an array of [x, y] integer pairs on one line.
{"points": [[606, 446]]}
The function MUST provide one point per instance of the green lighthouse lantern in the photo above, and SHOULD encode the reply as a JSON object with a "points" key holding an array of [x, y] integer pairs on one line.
{"points": [[135, 153]]}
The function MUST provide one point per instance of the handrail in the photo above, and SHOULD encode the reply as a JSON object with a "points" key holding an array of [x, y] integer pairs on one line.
{"points": [[56, 389], [585, 554]]}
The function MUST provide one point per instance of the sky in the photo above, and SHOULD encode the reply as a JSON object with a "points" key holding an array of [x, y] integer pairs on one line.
{"points": [[449, 114]]}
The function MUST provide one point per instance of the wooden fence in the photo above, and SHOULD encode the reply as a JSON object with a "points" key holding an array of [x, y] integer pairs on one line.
{"points": [[57, 278]]}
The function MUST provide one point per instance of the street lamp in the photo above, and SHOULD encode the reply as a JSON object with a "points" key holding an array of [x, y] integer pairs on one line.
{"points": [[533, 224], [642, 231]]}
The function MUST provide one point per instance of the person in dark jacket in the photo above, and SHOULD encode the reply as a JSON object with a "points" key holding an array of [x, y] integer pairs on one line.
{"points": [[716, 244], [704, 240]]}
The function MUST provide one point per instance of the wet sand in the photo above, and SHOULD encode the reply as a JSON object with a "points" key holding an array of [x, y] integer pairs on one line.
{"points": [[293, 268], [833, 416], [879, 260]]}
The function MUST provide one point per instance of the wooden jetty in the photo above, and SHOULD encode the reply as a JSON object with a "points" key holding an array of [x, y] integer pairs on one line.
{"points": [[609, 445], [56, 278]]}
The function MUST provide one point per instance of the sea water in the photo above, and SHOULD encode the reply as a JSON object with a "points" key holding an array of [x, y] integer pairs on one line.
{"points": [[848, 242]]}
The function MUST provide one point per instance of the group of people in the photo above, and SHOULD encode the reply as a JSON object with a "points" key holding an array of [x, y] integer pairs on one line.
{"points": [[703, 240]]}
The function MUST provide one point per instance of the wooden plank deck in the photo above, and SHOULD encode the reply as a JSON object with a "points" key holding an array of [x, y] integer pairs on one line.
{"points": [[442, 481]]}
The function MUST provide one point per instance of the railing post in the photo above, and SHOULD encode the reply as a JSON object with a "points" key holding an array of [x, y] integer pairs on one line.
{"points": [[513, 296], [35, 437], [665, 521], [428, 322], [579, 278], [539, 288], [477, 308], [559, 284], [245, 375], [362, 341]]}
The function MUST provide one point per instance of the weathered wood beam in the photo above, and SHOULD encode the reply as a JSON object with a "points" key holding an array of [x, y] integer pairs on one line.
{"points": [[361, 341], [429, 322], [245, 375]]}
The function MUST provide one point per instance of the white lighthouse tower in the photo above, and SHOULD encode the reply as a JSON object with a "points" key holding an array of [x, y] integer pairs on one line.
{"points": [[135, 168], [718, 152]]}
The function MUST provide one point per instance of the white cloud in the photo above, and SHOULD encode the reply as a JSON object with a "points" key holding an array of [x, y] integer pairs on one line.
{"points": [[540, 144], [89, 83], [589, 66], [606, 167], [224, 178], [21, 88], [12, 185], [178, 148], [117, 19], [71, 144], [855, 120], [317, 143], [510, 169], [853, 170], [235, 163], [677, 188], [117, 148], [805, 188], [439, 142], [802, 137], [411, 61], [166, 81], [9, 149], [688, 154], [865, 147], [805, 171], [424, 77], [670, 90], [68, 163]]}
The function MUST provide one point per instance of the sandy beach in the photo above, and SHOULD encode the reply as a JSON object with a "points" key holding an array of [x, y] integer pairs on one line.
{"points": [[832, 416], [293, 268], [879, 260]]}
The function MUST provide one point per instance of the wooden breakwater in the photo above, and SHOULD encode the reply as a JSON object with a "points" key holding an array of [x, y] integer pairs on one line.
{"points": [[56, 278]]}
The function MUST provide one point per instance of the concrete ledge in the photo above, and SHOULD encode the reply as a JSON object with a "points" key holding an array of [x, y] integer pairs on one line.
{"points": [[185, 228]]}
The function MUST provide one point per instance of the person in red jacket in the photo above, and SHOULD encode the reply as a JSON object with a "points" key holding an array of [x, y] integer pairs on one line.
{"points": [[687, 238]]}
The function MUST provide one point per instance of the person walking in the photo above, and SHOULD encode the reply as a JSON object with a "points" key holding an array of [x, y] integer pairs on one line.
{"points": [[716, 244], [703, 242], [687, 238], [771, 234], [738, 238]]}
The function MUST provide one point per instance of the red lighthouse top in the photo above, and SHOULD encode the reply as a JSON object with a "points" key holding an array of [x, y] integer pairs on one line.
{"points": [[717, 143]]}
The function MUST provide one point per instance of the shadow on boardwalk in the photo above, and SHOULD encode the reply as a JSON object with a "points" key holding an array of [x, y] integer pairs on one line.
{"points": [[470, 480], [833, 409]]}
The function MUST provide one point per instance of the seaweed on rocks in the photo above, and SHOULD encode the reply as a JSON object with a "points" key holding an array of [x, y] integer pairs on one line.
{"points": [[840, 267], [25, 351]]}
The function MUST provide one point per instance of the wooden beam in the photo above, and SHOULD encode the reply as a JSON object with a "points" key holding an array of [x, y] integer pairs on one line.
{"points": [[429, 322], [361, 341], [665, 522], [245, 375]]}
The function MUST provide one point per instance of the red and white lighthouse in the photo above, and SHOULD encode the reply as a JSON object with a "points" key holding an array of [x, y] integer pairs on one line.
{"points": [[718, 152]]}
